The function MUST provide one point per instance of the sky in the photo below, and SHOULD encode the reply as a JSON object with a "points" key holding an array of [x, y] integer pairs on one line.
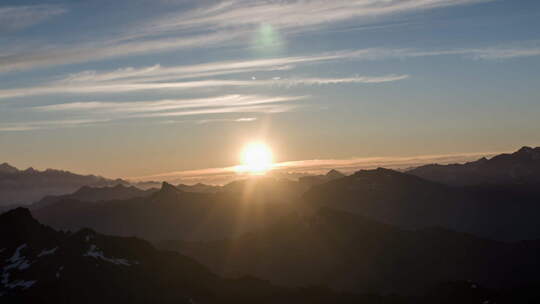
{"points": [[152, 88]]}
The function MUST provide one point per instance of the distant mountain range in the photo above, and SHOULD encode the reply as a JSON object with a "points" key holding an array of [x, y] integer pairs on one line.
{"points": [[521, 167], [173, 213], [95, 194], [201, 213], [313, 180], [30, 185]]}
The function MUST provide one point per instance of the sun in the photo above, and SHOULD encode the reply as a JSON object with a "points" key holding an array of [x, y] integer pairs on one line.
{"points": [[256, 158]]}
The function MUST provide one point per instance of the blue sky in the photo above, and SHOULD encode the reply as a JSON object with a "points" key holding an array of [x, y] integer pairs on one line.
{"points": [[135, 88]]}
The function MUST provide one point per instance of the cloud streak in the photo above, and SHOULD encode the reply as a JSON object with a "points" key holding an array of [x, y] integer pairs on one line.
{"points": [[126, 87], [93, 112], [14, 18], [48, 124], [294, 15], [225, 23], [166, 105], [316, 166]]}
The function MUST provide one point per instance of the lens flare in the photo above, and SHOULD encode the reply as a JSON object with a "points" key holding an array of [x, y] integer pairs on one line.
{"points": [[267, 40]]}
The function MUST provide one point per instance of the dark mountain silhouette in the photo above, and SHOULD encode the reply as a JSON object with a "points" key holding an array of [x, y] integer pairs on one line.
{"points": [[7, 168], [173, 213], [412, 202], [41, 265], [266, 188], [385, 195], [312, 180], [199, 187], [392, 197], [95, 194], [30, 185], [350, 252], [522, 167]]}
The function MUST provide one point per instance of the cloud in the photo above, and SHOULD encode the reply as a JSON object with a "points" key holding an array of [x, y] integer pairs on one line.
{"points": [[98, 50], [90, 113], [292, 14], [267, 109], [137, 86], [225, 23], [317, 166], [327, 81], [48, 124], [166, 105], [14, 18]]}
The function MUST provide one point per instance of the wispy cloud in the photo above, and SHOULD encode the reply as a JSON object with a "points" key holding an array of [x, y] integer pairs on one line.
{"points": [[48, 124], [94, 112], [125, 87], [167, 105], [13, 18], [293, 15], [158, 77], [317, 166], [99, 50], [224, 23]]}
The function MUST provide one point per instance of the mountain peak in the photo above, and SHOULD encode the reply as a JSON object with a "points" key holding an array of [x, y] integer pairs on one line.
{"points": [[528, 150], [334, 174], [168, 187], [7, 168], [18, 217], [19, 212], [378, 171]]}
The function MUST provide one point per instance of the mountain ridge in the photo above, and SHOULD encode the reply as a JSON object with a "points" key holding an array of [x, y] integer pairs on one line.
{"points": [[521, 166]]}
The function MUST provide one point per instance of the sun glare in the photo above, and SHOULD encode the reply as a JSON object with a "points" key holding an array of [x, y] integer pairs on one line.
{"points": [[256, 158]]}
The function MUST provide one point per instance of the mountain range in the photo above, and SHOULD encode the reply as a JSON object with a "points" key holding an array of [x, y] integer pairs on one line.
{"points": [[381, 231], [27, 186], [388, 196], [172, 213], [520, 167]]}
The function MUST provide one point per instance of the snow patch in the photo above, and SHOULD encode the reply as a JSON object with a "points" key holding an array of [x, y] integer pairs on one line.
{"points": [[23, 284], [58, 271], [17, 255], [47, 252], [88, 238], [94, 252], [17, 261]]}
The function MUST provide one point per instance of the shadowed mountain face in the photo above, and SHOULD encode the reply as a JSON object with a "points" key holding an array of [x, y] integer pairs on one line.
{"points": [[174, 214], [199, 188], [349, 252], [393, 197], [412, 202], [521, 167], [385, 195], [321, 179], [94, 194], [27, 186]]}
